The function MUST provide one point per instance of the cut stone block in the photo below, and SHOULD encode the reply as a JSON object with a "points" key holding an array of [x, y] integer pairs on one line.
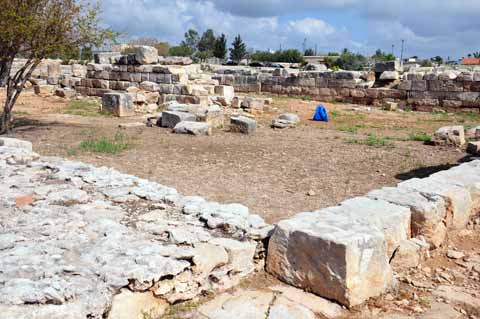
{"points": [[243, 125], [450, 135], [193, 128], [171, 118], [427, 212], [119, 104], [393, 220], [225, 91], [458, 200], [145, 54], [150, 86], [330, 255]]}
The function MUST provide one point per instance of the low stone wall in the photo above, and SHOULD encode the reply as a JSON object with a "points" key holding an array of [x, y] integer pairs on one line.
{"points": [[77, 241], [345, 253]]}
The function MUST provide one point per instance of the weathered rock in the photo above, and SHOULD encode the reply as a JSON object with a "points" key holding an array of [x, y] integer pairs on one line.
{"points": [[243, 125], [408, 255], [316, 67], [136, 305], [389, 75], [65, 93], [208, 256], [193, 128], [44, 90], [226, 92], [242, 305], [16, 143], [459, 296], [427, 212], [330, 255], [286, 120], [284, 308], [149, 86], [145, 54], [240, 254], [119, 104], [441, 311], [390, 106], [171, 118], [450, 135]]}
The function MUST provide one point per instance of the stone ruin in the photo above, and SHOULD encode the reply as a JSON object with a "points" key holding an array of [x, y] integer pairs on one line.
{"points": [[77, 241]]}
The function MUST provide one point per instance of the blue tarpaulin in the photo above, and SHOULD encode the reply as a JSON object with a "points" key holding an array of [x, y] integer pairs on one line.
{"points": [[321, 114]]}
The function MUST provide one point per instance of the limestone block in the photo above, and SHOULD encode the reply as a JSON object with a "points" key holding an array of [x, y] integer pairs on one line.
{"points": [[243, 125], [119, 104], [137, 305], [408, 255], [171, 118], [207, 257], [393, 220], [145, 54], [331, 255], [450, 135], [228, 92], [457, 199], [193, 128], [44, 89], [389, 75], [149, 86], [16, 143], [427, 212], [240, 254]]}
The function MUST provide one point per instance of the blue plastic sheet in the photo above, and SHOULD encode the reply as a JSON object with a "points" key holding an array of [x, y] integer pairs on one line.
{"points": [[321, 114]]}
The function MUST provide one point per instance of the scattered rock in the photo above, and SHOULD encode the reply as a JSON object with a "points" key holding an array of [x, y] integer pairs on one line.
{"points": [[171, 118], [453, 254], [193, 128], [243, 125], [450, 135]]}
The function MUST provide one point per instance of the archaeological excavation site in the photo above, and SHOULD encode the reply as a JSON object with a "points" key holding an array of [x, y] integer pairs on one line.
{"points": [[142, 185]]}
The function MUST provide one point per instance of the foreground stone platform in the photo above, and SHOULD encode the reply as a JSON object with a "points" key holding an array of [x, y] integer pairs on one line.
{"points": [[74, 238]]}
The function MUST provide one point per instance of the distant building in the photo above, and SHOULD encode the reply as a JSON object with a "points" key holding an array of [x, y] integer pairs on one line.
{"points": [[318, 59], [470, 61]]}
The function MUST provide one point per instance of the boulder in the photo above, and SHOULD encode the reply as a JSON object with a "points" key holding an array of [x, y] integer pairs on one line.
{"points": [[171, 118], [145, 54], [243, 125], [450, 135], [331, 255], [119, 104], [193, 128]]}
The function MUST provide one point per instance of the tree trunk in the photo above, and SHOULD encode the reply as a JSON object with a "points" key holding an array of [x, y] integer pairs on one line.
{"points": [[5, 67], [5, 122]]}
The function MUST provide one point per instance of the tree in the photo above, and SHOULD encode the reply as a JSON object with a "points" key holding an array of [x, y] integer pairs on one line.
{"points": [[36, 29], [476, 55], [382, 56], [348, 61], [309, 52], [181, 50], [203, 55], [286, 56], [207, 41], [191, 39], [220, 47], [437, 59], [238, 50]]}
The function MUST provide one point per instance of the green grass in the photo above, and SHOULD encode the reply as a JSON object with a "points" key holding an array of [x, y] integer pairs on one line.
{"points": [[335, 113], [20, 113], [420, 137], [371, 140], [104, 145], [88, 108], [348, 129]]}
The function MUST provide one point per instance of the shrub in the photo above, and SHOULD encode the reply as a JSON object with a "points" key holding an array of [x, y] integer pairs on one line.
{"points": [[420, 137]]}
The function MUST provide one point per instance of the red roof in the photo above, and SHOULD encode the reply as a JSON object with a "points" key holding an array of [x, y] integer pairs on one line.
{"points": [[471, 61]]}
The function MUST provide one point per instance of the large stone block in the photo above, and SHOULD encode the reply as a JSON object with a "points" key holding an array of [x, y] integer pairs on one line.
{"points": [[228, 92], [427, 212], [193, 128], [171, 118], [119, 104], [450, 135], [243, 124], [381, 67], [457, 199], [331, 255], [393, 220], [145, 54]]}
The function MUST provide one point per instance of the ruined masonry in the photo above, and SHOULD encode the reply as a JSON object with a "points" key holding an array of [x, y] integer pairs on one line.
{"points": [[77, 241], [74, 238]]}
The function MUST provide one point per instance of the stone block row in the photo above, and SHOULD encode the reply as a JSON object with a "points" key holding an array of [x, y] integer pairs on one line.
{"points": [[345, 252]]}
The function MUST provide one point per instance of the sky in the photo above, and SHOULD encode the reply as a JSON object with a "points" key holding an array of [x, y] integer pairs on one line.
{"points": [[449, 28]]}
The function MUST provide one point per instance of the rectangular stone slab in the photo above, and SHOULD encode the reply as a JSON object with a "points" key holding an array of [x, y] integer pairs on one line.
{"points": [[330, 255], [458, 199], [393, 220], [427, 212]]}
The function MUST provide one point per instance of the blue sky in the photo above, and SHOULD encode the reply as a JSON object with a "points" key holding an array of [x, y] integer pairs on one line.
{"points": [[429, 27]]}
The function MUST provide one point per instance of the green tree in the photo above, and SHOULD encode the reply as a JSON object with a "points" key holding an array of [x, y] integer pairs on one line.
{"points": [[181, 50], [36, 29], [191, 39], [348, 61], [476, 55], [207, 41], [286, 56], [238, 50], [382, 56], [437, 59], [220, 47], [309, 52], [203, 55]]}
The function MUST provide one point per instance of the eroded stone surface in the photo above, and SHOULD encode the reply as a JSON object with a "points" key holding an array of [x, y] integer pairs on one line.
{"points": [[89, 232]]}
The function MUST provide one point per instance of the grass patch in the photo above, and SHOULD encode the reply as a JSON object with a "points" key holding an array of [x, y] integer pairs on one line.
{"points": [[335, 113], [20, 113], [348, 129], [105, 146], [420, 137], [88, 108], [371, 140]]}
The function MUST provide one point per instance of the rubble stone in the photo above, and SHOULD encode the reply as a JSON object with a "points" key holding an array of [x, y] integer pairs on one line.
{"points": [[243, 125], [193, 128]]}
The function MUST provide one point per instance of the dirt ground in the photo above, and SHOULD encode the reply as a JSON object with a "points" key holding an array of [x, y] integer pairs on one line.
{"points": [[276, 173]]}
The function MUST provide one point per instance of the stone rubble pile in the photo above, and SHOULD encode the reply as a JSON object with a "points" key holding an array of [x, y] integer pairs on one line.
{"points": [[346, 253], [73, 236]]}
